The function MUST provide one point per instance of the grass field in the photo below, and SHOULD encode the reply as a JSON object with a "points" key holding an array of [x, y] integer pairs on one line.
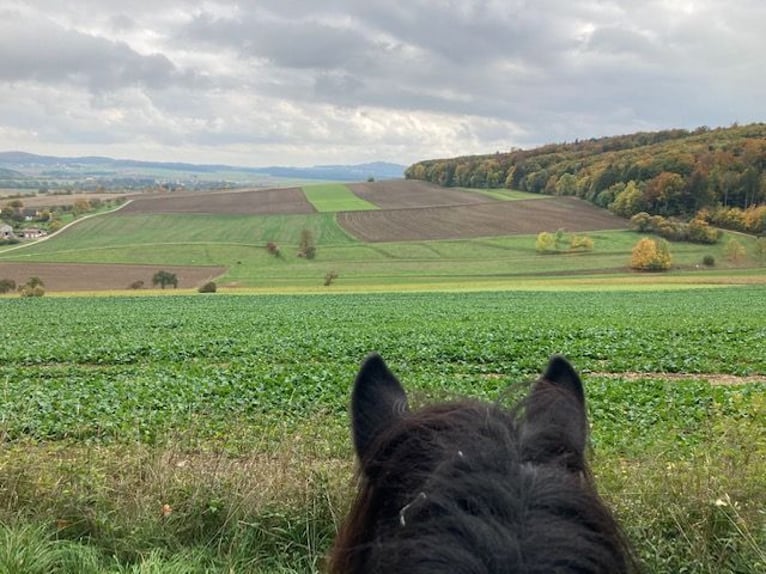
{"points": [[238, 244], [333, 197], [209, 433], [505, 194]]}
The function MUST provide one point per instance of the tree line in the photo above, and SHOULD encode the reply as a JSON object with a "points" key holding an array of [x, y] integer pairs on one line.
{"points": [[717, 174]]}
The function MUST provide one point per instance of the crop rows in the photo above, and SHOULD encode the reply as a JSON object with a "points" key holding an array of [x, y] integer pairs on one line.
{"points": [[133, 368]]}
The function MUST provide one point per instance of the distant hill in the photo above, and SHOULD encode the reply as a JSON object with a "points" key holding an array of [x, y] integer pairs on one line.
{"points": [[669, 173], [21, 169], [9, 173]]}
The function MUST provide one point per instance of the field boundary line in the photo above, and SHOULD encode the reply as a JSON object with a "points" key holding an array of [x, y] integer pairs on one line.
{"points": [[711, 378]]}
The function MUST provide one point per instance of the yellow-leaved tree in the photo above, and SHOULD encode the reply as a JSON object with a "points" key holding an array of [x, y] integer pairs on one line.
{"points": [[651, 255]]}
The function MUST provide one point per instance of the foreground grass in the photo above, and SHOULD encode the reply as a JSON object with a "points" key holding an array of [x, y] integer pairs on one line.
{"points": [[691, 502], [209, 434]]}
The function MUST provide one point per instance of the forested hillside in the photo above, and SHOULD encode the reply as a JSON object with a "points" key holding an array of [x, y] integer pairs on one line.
{"points": [[716, 174]]}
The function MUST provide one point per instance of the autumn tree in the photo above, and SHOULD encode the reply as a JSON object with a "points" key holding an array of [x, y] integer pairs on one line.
{"points": [[664, 193], [567, 185], [307, 247], [651, 255], [628, 202], [546, 243]]}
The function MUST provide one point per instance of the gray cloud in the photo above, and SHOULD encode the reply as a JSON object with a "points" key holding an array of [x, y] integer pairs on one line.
{"points": [[48, 53], [299, 81]]}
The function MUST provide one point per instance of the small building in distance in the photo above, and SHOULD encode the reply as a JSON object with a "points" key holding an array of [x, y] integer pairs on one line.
{"points": [[33, 233], [6, 231]]}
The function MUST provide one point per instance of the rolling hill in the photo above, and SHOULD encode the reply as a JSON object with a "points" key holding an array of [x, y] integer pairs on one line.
{"points": [[668, 173], [20, 170], [420, 236]]}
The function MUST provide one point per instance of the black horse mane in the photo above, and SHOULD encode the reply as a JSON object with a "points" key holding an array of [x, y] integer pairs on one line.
{"points": [[470, 487]]}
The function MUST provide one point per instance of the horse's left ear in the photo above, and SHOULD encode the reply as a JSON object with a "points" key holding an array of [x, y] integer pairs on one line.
{"points": [[377, 400], [555, 424], [562, 374]]}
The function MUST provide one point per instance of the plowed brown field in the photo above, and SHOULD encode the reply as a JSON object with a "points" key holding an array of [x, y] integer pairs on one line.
{"points": [[396, 194], [254, 202], [102, 277], [479, 220]]}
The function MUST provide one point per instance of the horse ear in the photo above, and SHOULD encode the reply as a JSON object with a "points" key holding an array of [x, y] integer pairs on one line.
{"points": [[561, 373], [377, 400], [555, 423]]}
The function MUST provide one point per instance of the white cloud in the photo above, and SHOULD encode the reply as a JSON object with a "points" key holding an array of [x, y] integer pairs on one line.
{"points": [[303, 82]]}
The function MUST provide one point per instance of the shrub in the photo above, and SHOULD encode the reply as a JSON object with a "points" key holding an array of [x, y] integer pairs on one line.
{"points": [[735, 251], [581, 242], [651, 255], [641, 222], [273, 249], [136, 285], [546, 242], [700, 231], [750, 220], [7, 285], [55, 225], [560, 237], [708, 260], [330, 277], [760, 248], [31, 291], [209, 287], [164, 278], [307, 247]]}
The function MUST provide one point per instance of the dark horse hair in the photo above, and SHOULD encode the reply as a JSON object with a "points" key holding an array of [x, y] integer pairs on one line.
{"points": [[470, 487]]}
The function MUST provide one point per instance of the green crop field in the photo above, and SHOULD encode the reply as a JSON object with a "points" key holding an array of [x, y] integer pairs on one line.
{"points": [[208, 433], [332, 197]]}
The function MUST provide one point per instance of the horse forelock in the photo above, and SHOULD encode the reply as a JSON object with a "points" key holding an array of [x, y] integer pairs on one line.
{"points": [[453, 487]]}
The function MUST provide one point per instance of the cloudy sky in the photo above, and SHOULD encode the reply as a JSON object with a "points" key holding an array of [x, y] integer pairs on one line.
{"points": [[305, 82]]}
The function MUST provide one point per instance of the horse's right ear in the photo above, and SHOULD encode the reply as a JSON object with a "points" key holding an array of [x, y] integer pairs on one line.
{"points": [[377, 401]]}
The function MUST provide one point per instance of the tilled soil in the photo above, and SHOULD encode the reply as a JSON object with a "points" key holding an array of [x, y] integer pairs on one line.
{"points": [[478, 220], [288, 200]]}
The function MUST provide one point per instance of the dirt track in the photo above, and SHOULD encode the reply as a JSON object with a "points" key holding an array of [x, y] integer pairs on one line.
{"points": [[257, 202], [102, 277], [479, 220]]}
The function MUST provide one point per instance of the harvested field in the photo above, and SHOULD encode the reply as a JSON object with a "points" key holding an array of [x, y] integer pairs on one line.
{"points": [[396, 194], [480, 220], [280, 201], [102, 277]]}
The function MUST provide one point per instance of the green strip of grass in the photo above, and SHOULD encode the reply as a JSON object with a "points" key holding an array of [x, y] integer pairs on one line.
{"points": [[504, 194], [334, 197]]}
